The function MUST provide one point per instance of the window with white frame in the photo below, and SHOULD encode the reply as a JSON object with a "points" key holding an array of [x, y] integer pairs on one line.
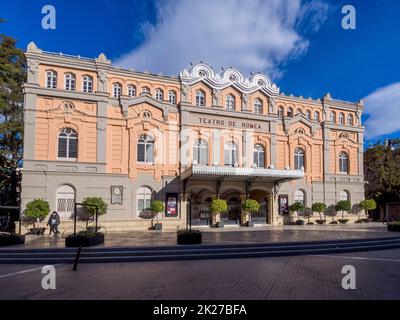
{"points": [[343, 163], [316, 116], [258, 106], [200, 98], [67, 144], [308, 115], [280, 112], [145, 90], [70, 82], [51, 79], [341, 118], [143, 195], [145, 149], [87, 84], [65, 201], [159, 94], [299, 159], [230, 154], [333, 117], [350, 121], [117, 90], [259, 156], [300, 196], [131, 90], [172, 97], [230, 102], [200, 152], [344, 196], [290, 112]]}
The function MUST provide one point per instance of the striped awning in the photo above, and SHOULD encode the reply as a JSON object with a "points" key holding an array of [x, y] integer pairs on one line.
{"points": [[199, 170]]}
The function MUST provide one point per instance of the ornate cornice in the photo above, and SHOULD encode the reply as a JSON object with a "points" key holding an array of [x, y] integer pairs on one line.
{"points": [[229, 77]]}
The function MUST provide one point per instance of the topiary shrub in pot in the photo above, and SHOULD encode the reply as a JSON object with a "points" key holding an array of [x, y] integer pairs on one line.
{"points": [[296, 208], [217, 207], [367, 205], [36, 211], [308, 213], [157, 207], [89, 206], [249, 206], [320, 208], [343, 205]]}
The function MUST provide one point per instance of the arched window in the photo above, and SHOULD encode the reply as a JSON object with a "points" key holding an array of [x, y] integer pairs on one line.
{"points": [[343, 163], [117, 90], [299, 111], [145, 149], [308, 115], [200, 152], [341, 118], [143, 195], [258, 106], [230, 154], [65, 201], [344, 195], [131, 90], [67, 144], [70, 82], [333, 117], [281, 111], [290, 112], [51, 79], [316, 116], [87, 84], [259, 156], [145, 90], [159, 94], [299, 159], [300, 196], [200, 98], [172, 97], [350, 120], [230, 102]]}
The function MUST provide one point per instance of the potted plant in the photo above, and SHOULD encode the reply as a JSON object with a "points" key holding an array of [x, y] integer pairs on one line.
{"points": [[308, 213], [185, 237], [319, 207], [343, 205], [156, 207], [217, 206], [36, 211], [367, 204], [249, 206], [90, 236], [296, 208], [331, 212]]}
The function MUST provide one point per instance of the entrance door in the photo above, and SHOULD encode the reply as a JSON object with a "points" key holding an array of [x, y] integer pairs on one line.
{"points": [[200, 212], [262, 214], [65, 201], [233, 214]]}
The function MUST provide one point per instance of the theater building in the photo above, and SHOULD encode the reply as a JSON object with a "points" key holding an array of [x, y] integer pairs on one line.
{"points": [[92, 129]]}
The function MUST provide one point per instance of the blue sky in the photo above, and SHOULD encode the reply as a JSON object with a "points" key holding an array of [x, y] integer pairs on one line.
{"points": [[301, 44]]}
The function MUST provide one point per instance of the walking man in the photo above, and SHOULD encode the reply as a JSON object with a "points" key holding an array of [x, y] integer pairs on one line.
{"points": [[53, 223]]}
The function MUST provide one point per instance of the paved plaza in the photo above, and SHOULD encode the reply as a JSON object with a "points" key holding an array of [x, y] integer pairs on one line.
{"points": [[230, 235], [302, 277]]}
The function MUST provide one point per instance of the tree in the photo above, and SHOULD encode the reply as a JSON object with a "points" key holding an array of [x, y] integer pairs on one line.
{"points": [[13, 70], [36, 211], [319, 207], [217, 206], [156, 206], [91, 203], [251, 206], [296, 207], [343, 205], [368, 204]]}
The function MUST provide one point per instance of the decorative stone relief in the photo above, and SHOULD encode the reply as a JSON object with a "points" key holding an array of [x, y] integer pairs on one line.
{"points": [[102, 81], [33, 72], [272, 104], [216, 97], [245, 101]]}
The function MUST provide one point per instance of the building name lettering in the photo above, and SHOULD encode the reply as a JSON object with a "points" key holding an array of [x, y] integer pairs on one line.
{"points": [[230, 123]]}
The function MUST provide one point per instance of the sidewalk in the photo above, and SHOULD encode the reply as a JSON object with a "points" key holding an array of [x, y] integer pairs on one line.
{"points": [[229, 235]]}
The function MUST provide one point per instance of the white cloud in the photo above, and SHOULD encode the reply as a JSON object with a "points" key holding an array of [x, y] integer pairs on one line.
{"points": [[382, 108], [252, 35]]}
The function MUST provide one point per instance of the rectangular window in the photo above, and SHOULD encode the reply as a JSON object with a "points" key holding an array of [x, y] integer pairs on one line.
{"points": [[140, 156], [62, 148], [73, 148]]}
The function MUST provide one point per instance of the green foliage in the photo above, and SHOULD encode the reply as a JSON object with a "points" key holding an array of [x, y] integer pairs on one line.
{"points": [[251, 206], [318, 207], [12, 77], [37, 209], [368, 204], [157, 206], [343, 205], [296, 207], [218, 206], [90, 204]]}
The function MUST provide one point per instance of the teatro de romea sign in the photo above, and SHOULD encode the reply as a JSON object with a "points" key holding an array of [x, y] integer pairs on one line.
{"points": [[229, 123]]}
